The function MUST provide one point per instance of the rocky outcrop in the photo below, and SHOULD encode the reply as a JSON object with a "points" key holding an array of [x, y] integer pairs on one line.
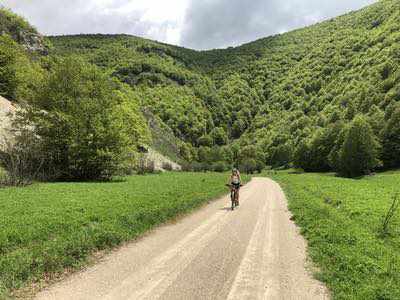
{"points": [[33, 42], [22, 32], [160, 161], [7, 109]]}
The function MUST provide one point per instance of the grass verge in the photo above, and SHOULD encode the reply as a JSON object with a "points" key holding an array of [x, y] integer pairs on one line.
{"points": [[342, 221], [47, 228]]}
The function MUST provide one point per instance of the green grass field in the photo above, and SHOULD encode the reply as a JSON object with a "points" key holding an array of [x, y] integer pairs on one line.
{"points": [[46, 228], [342, 220]]}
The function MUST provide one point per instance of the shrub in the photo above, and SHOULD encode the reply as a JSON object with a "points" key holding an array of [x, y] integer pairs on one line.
{"points": [[145, 166], [197, 166], [206, 167], [167, 166], [22, 160], [219, 166], [187, 167], [260, 166]]}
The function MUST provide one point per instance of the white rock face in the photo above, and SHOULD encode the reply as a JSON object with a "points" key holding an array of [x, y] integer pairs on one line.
{"points": [[6, 112], [159, 161]]}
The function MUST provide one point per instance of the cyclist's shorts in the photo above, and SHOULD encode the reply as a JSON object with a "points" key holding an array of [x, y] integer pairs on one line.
{"points": [[236, 185]]}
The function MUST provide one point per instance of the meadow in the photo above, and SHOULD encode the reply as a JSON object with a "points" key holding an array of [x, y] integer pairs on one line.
{"points": [[47, 228], [342, 219]]}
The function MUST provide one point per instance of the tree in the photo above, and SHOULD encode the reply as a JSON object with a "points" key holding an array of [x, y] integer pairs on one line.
{"points": [[360, 150], [313, 155], [302, 156], [8, 67], [219, 136], [205, 140], [391, 141], [248, 165], [89, 126]]}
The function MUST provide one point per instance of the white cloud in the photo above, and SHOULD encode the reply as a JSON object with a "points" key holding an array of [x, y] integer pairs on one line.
{"points": [[200, 24], [160, 20], [222, 23]]}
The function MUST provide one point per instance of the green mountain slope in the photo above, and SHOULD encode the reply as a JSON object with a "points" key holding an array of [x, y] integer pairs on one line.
{"points": [[279, 101], [277, 93]]}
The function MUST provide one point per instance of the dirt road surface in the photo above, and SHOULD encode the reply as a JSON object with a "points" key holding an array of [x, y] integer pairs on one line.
{"points": [[254, 252]]}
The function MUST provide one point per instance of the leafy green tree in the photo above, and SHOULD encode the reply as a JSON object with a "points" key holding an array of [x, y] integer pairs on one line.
{"points": [[186, 152], [89, 126], [314, 155], [282, 155], [204, 154], [219, 136], [248, 165], [391, 141], [360, 150], [205, 140], [302, 156]]}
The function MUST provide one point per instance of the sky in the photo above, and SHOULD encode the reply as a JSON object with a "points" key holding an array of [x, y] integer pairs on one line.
{"points": [[197, 24]]}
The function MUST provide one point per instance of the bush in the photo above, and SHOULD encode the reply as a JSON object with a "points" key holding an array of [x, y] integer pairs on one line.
{"points": [[197, 166], [187, 167], [260, 166], [359, 152], [22, 160], [206, 167], [145, 166], [167, 166], [220, 166], [201, 166]]}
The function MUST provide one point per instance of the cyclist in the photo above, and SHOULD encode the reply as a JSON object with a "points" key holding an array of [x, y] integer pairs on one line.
{"points": [[235, 183]]}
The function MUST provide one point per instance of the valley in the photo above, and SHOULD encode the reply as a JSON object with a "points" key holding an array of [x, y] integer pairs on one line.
{"points": [[117, 135]]}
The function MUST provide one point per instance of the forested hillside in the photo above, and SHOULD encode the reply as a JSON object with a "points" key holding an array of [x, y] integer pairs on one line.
{"points": [[313, 98]]}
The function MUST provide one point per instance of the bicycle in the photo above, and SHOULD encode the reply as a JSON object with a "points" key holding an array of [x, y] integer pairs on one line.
{"points": [[234, 195]]}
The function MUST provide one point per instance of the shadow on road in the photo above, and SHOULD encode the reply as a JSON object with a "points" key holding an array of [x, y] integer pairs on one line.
{"points": [[226, 208]]}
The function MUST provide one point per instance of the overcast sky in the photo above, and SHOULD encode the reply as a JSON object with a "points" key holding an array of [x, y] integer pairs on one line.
{"points": [[199, 24]]}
